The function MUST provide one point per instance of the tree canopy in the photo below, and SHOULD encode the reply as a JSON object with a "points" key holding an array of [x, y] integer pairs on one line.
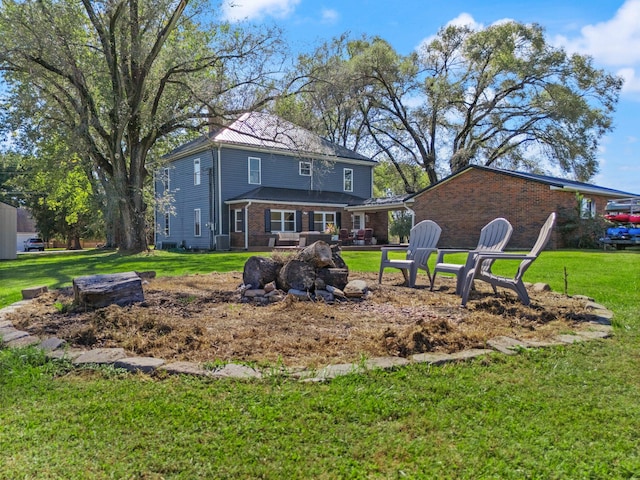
{"points": [[501, 96], [122, 75]]}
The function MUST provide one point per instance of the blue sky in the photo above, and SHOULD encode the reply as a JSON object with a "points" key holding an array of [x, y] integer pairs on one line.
{"points": [[607, 30]]}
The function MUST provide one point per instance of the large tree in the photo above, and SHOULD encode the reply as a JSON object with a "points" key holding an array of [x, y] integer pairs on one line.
{"points": [[501, 96], [121, 75]]}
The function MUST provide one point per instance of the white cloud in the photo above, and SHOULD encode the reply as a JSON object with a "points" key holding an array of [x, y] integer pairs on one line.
{"points": [[238, 10], [615, 42], [330, 16]]}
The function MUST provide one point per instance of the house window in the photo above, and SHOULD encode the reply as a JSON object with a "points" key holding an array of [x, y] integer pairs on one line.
{"points": [[238, 220], [166, 224], [255, 177], [197, 225], [196, 171], [305, 169], [165, 179], [347, 181], [322, 219], [358, 221], [587, 208], [283, 221]]}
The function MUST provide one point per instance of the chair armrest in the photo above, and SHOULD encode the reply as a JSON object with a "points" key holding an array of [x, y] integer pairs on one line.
{"points": [[421, 255], [444, 251], [385, 251]]}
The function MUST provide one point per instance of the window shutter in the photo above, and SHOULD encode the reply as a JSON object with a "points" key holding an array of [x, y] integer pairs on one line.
{"points": [[267, 220], [339, 219], [311, 225], [298, 220]]}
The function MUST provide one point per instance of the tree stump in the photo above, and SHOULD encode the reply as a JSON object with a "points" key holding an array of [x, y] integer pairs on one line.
{"points": [[318, 254], [297, 275], [259, 271], [97, 291], [336, 277]]}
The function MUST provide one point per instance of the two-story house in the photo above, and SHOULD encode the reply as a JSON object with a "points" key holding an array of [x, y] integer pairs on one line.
{"points": [[260, 176]]}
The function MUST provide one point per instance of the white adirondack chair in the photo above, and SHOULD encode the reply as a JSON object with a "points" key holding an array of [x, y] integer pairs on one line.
{"points": [[479, 272], [423, 239], [493, 238]]}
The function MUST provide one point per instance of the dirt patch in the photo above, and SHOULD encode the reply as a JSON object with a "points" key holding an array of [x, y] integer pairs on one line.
{"points": [[200, 318]]}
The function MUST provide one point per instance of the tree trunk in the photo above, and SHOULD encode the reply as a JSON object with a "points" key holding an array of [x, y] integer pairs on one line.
{"points": [[258, 271]]}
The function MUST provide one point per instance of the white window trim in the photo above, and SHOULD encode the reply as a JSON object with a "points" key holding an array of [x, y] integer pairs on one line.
{"points": [[237, 213], [307, 166], [587, 208], [259, 182], [197, 222], [353, 221], [347, 172], [324, 220], [282, 221], [166, 228], [196, 171]]}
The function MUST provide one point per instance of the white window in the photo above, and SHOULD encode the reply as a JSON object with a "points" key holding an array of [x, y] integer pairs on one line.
{"points": [[196, 171], [283, 221], [255, 176], [587, 208], [166, 224], [358, 221], [322, 219], [305, 169], [165, 179], [238, 220], [197, 222], [347, 181]]}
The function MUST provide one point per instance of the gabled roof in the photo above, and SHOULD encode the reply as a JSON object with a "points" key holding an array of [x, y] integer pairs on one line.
{"points": [[298, 197], [553, 182], [265, 131]]}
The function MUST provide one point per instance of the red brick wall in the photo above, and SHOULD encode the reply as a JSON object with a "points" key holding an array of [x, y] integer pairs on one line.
{"points": [[258, 237], [464, 204]]}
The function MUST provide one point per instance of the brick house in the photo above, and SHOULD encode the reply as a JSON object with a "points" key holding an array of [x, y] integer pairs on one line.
{"points": [[467, 200], [258, 178]]}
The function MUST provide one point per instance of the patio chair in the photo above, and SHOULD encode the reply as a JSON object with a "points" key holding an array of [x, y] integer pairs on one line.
{"points": [[359, 239], [423, 239], [493, 238], [479, 272], [345, 236], [368, 236]]}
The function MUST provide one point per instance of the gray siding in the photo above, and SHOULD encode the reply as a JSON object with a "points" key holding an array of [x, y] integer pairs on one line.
{"points": [[277, 170], [283, 171], [186, 197]]}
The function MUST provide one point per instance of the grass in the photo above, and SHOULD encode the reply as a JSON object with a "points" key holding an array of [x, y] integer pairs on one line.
{"points": [[565, 412]]}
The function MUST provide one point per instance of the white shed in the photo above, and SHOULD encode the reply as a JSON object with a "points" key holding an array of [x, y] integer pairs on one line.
{"points": [[8, 231]]}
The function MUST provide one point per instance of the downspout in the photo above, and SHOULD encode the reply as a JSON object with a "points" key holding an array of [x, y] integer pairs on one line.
{"points": [[219, 190], [211, 207], [412, 213], [246, 225]]}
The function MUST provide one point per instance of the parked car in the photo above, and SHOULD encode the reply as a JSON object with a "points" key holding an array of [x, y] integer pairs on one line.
{"points": [[33, 244]]}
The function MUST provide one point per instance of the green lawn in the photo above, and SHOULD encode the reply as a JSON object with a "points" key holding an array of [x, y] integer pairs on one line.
{"points": [[565, 412]]}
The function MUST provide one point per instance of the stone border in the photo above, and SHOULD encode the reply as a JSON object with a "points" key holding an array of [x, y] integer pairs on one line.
{"points": [[55, 348]]}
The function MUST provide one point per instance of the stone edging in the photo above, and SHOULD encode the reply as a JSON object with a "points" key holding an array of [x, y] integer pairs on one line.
{"points": [[55, 349]]}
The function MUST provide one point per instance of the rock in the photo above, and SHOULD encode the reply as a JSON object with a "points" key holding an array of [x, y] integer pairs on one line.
{"points": [[299, 294], [139, 364], [541, 287], [270, 287], [34, 292], [53, 343], [101, 356], [258, 292], [96, 291], [185, 368], [356, 289], [324, 295], [148, 275]]}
